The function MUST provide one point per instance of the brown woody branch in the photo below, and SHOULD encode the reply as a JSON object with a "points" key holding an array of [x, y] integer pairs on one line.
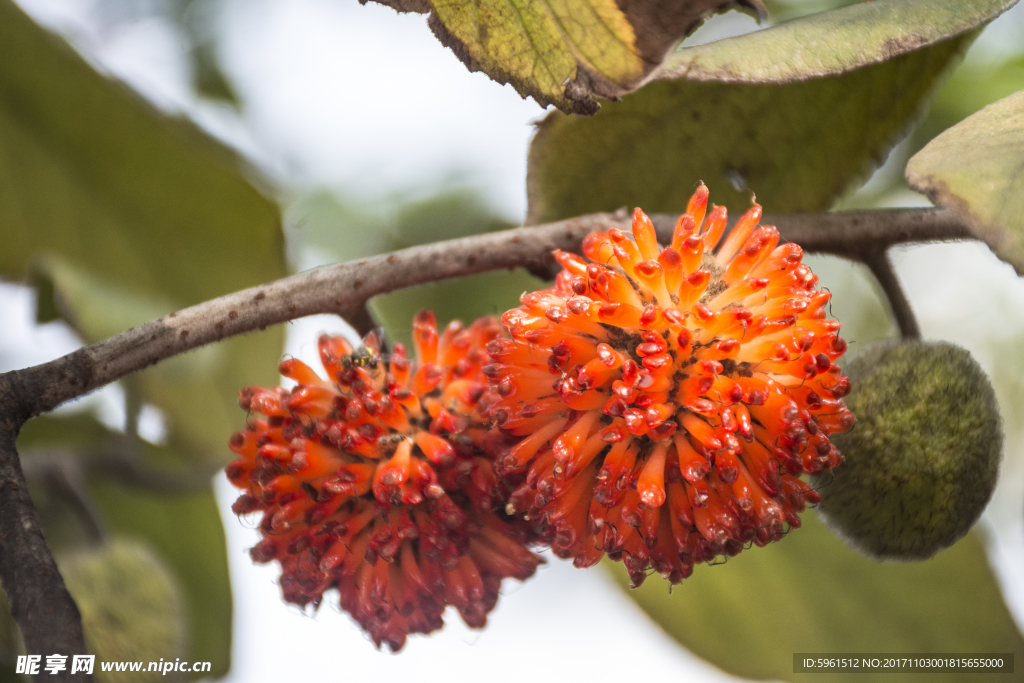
{"points": [[858, 234], [345, 287], [40, 603], [867, 235]]}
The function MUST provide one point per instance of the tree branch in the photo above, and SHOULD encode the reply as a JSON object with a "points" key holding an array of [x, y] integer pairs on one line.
{"points": [[858, 234], [344, 287], [360, 319], [40, 602], [881, 267], [339, 288]]}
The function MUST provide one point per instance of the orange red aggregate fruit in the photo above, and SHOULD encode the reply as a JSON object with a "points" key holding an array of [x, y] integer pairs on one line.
{"points": [[379, 482], [667, 401]]}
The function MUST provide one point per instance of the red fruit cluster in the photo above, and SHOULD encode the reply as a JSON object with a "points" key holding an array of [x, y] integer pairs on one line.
{"points": [[666, 401], [656, 405], [379, 482]]}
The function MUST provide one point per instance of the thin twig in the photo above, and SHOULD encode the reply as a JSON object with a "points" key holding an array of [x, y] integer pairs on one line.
{"points": [[41, 604], [64, 475], [881, 267], [142, 476], [120, 462]]}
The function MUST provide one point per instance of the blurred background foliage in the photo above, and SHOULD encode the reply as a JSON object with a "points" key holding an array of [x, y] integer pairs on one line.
{"points": [[812, 593], [117, 213]]}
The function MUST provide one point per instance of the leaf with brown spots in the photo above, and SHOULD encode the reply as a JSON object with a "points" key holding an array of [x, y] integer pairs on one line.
{"points": [[564, 52], [795, 113]]}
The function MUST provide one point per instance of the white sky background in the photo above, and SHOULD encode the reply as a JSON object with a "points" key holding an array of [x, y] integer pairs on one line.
{"points": [[361, 99]]}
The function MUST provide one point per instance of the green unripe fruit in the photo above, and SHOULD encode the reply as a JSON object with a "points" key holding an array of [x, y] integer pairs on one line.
{"points": [[922, 461], [130, 607]]}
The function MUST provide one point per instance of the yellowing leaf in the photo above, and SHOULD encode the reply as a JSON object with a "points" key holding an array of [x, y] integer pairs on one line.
{"points": [[600, 37], [562, 52], [976, 168], [539, 47]]}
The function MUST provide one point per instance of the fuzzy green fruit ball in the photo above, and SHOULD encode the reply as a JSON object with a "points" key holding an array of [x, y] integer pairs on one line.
{"points": [[922, 461]]}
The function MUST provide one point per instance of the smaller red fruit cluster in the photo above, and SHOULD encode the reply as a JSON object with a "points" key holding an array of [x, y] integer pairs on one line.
{"points": [[379, 482]]}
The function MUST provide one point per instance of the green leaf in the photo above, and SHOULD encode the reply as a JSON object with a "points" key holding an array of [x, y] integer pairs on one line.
{"points": [[811, 593], [343, 229], [197, 20], [186, 532], [130, 214], [130, 605], [832, 43], [976, 168], [785, 10], [209, 79], [93, 172], [563, 52], [198, 391], [801, 111]]}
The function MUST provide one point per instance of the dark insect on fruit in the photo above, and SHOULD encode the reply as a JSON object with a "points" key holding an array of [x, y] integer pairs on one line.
{"points": [[370, 354], [362, 357]]}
